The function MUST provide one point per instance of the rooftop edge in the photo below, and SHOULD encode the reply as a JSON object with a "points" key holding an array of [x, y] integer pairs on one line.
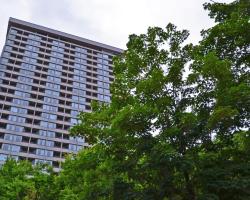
{"points": [[14, 21]]}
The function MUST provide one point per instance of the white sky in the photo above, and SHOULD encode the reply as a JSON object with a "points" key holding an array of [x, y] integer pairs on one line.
{"points": [[107, 21]]}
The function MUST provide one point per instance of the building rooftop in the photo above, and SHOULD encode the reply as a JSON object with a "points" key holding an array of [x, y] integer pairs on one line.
{"points": [[64, 36]]}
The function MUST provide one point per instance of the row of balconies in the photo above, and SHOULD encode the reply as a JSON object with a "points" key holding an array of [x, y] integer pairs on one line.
{"points": [[45, 50], [69, 47]]}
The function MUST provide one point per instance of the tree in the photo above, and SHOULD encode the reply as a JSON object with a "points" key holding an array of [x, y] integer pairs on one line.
{"points": [[22, 181], [164, 136]]}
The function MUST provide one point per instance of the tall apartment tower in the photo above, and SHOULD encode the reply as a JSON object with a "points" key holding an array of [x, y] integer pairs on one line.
{"points": [[46, 78]]}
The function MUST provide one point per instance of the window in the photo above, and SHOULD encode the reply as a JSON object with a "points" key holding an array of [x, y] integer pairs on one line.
{"points": [[25, 72], [20, 102], [105, 56], [2, 73], [79, 92], [14, 138], [106, 85], [23, 86], [59, 61], [22, 94], [49, 143], [45, 143], [78, 148], [50, 108], [55, 43], [106, 91], [11, 36], [56, 54], [100, 90], [100, 96], [31, 36], [77, 65], [39, 161], [100, 83], [74, 113], [80, 139], [6, 54], [10, 42], [9, 147], [50, 134], [99, 71], [43, 152], [50, 100], [105, 67], [77, 139], [61, 44], [30, 60], [32, 42], [105, 79], [82, 99], [72, 147], [13, 31], [28, 66], [80, 72], [55, 66], [75, 105], [81, 106], [4, 60], [44, 133], [51, 92], [81, 50], [82, 85], [49, 116], [77, 84], [16, 119], [53, 85], [107, 98], [3, 157], [59, 67], [75, 98], [105, 62], [73, 121], [78, 54], [105, 73], [79, 78], [18, 110], [12, 127], [57, 49], [76, 59], [54, 79], [25, 79], [32, 48], [78, 99], [54, 72], [47, 124], [31, 54], [60, 49]]}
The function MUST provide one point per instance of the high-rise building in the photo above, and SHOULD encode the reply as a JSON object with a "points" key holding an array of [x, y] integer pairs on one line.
{"points": [[46, 78]]}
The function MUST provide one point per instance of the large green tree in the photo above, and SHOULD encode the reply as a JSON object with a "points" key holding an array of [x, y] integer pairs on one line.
{"points": [[178, 123]]}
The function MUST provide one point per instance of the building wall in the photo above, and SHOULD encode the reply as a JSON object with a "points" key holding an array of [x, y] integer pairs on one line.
{"points": [[46, 79]]}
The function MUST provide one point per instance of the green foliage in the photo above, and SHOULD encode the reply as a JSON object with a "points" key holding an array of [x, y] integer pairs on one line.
{"points": [[22, 181], [169, 137]]}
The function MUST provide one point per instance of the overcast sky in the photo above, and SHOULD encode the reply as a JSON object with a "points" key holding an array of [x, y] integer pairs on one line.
{"points": [[107, 21]]}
